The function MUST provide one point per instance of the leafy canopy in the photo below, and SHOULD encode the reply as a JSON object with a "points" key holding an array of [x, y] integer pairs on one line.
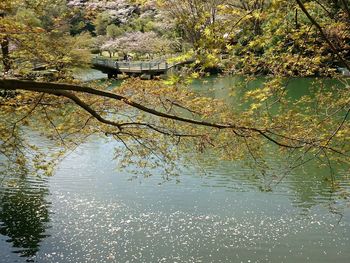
{"points": [[157, 122]]}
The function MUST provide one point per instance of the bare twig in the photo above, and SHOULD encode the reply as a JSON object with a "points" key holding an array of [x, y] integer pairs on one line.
{"points": [[323, 34]]}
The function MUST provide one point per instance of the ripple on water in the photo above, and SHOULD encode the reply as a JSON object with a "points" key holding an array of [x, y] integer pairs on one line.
{"points": [[94, 230], [98, 215]]}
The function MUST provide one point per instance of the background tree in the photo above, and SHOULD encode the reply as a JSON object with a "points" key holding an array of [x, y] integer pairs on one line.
{"points": [[140, 43], [194, 17], [114, 31], [101, 22], [81, 21], [265, 37], [47, 22]]}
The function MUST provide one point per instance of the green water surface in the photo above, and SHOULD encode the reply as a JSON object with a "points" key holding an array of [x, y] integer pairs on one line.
{"points": [[89, 211]]}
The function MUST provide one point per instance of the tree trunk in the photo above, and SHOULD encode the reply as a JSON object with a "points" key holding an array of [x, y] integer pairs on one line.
{"points": [[5, 51], [5, 54]]}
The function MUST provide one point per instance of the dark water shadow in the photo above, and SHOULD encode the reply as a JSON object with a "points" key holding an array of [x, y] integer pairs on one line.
{"points": [[24, 215]]}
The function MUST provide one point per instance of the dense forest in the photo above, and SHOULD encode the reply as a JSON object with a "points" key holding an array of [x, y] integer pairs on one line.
{"points": [[253, 37]]}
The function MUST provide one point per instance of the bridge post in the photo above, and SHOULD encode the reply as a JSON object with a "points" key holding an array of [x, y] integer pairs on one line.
{"points": [[112, 75]]}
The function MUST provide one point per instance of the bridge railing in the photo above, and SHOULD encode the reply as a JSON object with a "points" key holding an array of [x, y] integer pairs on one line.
{"points": [[143, 66], [132, 65]]}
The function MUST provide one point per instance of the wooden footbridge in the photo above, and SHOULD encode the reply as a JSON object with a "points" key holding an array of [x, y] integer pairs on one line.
{"points": [[135, 68]]}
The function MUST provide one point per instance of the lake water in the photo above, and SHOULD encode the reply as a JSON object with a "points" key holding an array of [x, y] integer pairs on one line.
{"points": [[89, 211]]}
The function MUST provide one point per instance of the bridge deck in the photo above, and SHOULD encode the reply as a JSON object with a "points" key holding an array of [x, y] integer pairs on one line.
{"points": [[135, 67]]}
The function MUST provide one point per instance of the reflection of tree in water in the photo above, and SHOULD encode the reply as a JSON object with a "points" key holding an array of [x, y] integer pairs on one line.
{"points": [[24, 216], [307, 187], [314, 186], [309, 190]]}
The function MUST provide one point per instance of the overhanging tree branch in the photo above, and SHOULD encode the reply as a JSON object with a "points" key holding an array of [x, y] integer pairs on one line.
{"points": [[66, 90], [323, 34], [346, 7], [13, 84]]}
